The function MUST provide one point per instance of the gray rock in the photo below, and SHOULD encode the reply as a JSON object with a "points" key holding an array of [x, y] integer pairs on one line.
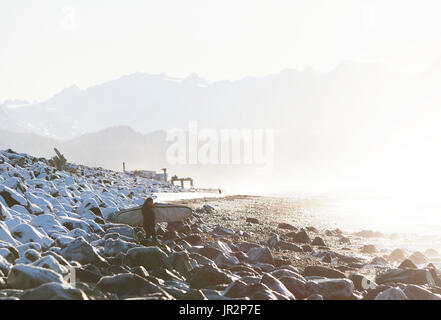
{"points": [[277, 286], [130, 285], [392, 294], [194, 294], [29, 256], [263, 255], [296, 286], [396, 255], [182, 263], [5, 266], [302, 237], [193, 239], [54, 291], [280, 273], [414, 292], [432, 253], [260, 291], [322, 272], [314, 297], [246, 246], [220, 245], [114, 247], [369, 248], [379, 261], [223, 231], [273, 240], [418, 258], [237, 289], [122, 230], [252, 220], [226, 260], [85, 275], [27, 277], [210, 253], [406, 276], [148, 257], [361, 282], [200, 259], [318, 241], [208, 276], [289, 246], [80, 250], [407, 264], [286, 226], [331, 288]]}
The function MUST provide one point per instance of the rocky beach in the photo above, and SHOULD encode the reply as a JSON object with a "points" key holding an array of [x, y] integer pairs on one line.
{"points": [[57, 242]]}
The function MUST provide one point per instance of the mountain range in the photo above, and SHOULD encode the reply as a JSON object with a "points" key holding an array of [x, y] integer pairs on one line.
{"points": [[359, 119], [302, 100]]}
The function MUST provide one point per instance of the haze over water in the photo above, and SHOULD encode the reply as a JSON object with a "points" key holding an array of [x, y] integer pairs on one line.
{"points": [[411, 221]]}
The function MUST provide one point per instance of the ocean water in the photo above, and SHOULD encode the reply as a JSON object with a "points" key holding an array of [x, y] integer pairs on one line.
{"points": [[411, 221]]}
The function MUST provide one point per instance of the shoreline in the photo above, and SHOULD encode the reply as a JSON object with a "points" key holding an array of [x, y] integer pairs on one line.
{"points": [[295, 211]]}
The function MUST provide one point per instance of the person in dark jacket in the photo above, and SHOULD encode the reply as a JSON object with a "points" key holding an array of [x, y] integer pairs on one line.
{"points": [[148, 217]]}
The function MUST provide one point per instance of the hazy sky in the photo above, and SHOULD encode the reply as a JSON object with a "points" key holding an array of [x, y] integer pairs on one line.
{"points": [[48, 45]]}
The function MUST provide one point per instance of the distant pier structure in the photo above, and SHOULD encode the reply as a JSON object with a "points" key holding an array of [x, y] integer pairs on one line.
{"points": [[182, 180]]}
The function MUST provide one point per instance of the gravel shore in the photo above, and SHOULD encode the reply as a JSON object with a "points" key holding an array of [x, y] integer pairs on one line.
{"points": [[56, 242]]}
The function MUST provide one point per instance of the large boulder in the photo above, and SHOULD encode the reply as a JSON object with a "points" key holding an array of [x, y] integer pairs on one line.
{"points": [[5, 235], [27, 277], [418, 258], [396, 255], [286, 226], [148, 257], [113, 247], [369, 248], [392, 294], [49, 262], [5, 265], [209, 275], [289, 246], [296, 286], [54, 291], [209, 252], [322, 271], [407, 264], [127, 285], [12, 197], [122, 230], [361, 282], [236, 289], [301, 237], [277, 286], [182, 262], [26, 233], [331, 288], [414, 292], [262, 255], [318, 241], [81, 251], [406, 276]]}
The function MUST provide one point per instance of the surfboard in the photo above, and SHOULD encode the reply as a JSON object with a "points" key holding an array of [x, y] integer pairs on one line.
{"points": [[164, 212]]}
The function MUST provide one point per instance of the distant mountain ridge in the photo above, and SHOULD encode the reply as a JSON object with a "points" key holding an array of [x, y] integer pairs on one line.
{"points": [[291, 99]]}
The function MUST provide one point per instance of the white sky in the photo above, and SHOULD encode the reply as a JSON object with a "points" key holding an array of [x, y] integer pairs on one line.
{"points": [[42, 51]]}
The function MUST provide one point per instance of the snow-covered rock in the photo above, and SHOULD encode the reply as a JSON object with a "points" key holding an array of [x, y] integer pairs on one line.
{"points": [[80, 250], [26, 277], [26, 233]]}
